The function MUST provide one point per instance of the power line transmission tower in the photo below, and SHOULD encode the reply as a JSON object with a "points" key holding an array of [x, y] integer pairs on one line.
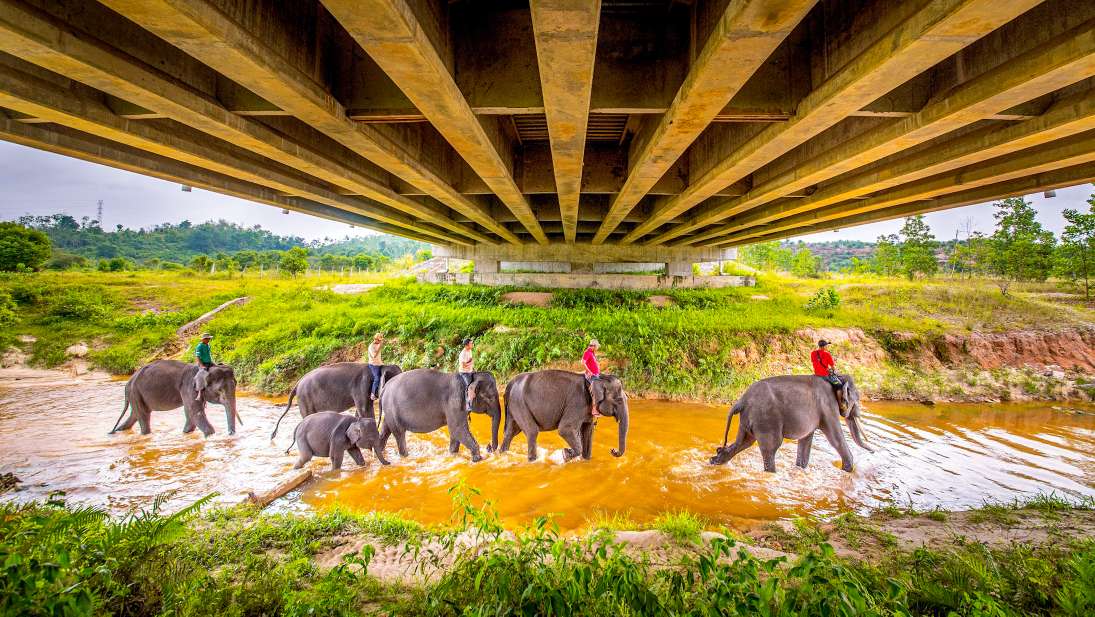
{"points": [[99, 215]]}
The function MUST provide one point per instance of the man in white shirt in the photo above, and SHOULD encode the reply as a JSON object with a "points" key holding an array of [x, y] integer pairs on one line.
{"points": [[375, 364], [466, 369]]}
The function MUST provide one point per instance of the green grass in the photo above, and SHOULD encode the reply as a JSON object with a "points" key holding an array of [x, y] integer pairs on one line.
{"points": [[708, 344], [60, 559]]}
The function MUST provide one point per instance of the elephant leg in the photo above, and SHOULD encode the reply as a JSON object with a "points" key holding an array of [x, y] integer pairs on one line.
{"points": [[188, 424], [385, 433], [462, 433], [336, 458], [743, 441], [197, 415], [508, 434], [587, 440], [804, 446], [144, 417], [532, 451], [454, 445], [401, 443], [131, 419], [355, 453], [769, 443], [305, 455], [573, 439], [835, 436]]}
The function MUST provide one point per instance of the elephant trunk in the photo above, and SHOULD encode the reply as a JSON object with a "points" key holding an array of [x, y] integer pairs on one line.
{"points": [[857, 432], [622, 419], [495, 422], [233, 415]]}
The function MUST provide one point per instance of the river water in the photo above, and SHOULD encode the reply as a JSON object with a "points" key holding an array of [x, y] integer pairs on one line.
{"points": [[55, 438]]}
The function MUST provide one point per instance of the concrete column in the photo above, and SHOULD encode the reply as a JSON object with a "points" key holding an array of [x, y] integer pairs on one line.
{"points": [[678, 268], [487, 266]]}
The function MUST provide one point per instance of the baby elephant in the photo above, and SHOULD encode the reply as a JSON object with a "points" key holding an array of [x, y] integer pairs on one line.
{"points": [[332, 434]]}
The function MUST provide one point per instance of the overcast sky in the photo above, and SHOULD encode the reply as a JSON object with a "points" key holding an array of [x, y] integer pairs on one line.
{"points": [[37, 182]]}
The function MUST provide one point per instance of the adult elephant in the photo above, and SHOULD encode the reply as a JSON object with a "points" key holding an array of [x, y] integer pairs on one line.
{"points": [[337, 387], [169, 384], [792, 407], [560, 400], [423, 400]]}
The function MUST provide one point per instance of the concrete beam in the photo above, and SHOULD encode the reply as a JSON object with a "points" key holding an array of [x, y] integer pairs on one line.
{"points": [[743, 39], [1078, 150], [934, 32], [1062, 178], [80, 110], [202, 30], [584, 253], [34, 36], [566, 47], [67, 142], [393, 35], [1070, 116], [1068, 59]]}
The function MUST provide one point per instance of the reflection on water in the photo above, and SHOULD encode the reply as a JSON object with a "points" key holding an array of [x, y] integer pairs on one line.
{"points": [[952, 456]]}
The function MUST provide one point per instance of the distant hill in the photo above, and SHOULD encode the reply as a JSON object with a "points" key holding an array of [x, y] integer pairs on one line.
{"points": [[181, 242], [838, 254]]}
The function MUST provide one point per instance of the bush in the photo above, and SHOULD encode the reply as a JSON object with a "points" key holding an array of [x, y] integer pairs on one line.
{"points": [[115, 264], [825, 300], [22, 248], [80, 303], [8, 315], [65, 261]]}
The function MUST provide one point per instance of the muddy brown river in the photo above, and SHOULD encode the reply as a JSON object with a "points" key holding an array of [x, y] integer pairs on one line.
{"points": [[55, 438]]}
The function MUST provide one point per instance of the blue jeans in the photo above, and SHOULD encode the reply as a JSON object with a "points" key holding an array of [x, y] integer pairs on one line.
{"points": [[375, 370]]}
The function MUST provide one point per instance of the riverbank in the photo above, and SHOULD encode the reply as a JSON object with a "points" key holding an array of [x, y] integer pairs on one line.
{"points": [[940, 340], [243, 562]]}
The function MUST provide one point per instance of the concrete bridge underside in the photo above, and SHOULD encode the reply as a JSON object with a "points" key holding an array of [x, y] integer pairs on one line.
{"points": [[574, 130]]}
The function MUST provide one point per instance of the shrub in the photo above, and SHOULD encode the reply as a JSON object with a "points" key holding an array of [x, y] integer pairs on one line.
{"points": [[80, 303], [65, 261], [115, 264], [8, 315], [825, 300]]}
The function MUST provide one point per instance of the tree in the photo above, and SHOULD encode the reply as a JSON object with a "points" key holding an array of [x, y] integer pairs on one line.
{"points": [[766, 256], [22, 248], [887, 257], [917, 249], [423, 255], [1021, 249], [804, 264], [1076, 256], [201, 263], [295, 260]]}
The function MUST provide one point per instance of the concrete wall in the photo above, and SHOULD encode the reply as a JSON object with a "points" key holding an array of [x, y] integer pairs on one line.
{"points": [[577, 281]]}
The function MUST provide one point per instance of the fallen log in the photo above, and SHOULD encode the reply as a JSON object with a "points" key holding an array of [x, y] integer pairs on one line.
{"points": [[264, 499]]}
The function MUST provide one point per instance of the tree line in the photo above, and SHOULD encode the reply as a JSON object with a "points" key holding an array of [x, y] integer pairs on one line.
{"points": [[1020, 249]]}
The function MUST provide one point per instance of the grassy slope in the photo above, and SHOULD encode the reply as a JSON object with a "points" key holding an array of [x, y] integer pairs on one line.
{"points": [[687, 350]]}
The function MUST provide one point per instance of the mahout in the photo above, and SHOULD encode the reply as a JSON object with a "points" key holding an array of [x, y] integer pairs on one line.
{"points": [[792, 407], [561, 400], [169, 384]]}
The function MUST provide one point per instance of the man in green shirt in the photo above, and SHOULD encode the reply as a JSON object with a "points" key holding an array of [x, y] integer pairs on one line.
{"points": [[203, 355]]}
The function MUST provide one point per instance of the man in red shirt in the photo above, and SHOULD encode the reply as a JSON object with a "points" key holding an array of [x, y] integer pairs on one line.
{"points": [[825, 368], [592, 370]]}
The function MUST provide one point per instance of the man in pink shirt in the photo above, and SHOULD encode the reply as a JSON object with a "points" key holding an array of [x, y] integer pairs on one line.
{"points": [[592, 370]]}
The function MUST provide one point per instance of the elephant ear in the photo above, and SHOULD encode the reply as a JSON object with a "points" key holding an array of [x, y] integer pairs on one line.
{"points": [[355, 432]]}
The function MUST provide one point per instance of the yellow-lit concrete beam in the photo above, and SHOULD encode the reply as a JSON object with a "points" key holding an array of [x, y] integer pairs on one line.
{"points": [[68, 107], [1062, 62], [566, 47], [75, 144], [1077, 150], [203, 31], [390, 32], [38, 38], [746, 35], [1061, 178], [934, 32], [1067, 117]]}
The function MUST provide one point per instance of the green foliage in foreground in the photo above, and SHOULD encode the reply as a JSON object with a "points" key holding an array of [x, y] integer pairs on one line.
{"points": [[77, 561]]}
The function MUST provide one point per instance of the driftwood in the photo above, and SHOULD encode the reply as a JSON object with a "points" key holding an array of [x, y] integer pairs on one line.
{"points": [[190, 327], [264, 499]]}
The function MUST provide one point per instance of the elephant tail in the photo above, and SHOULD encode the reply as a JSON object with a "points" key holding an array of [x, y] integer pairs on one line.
{"points": [[125, 404], [292, 393], [292, 443], [734, 410], [380, 398]]}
